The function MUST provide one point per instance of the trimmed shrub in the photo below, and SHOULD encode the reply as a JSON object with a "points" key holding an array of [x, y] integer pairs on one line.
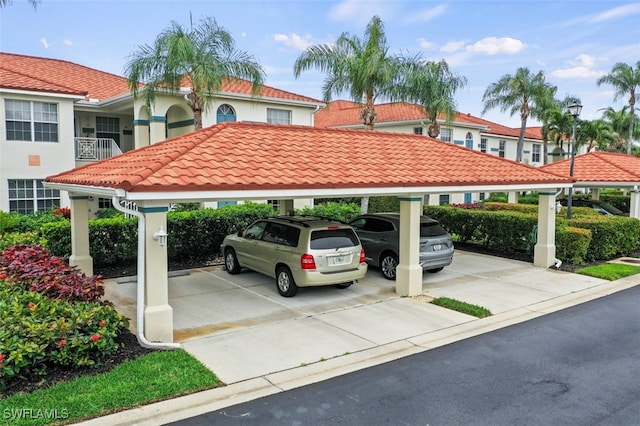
{"points": [[332, 211], [572, 244], [384, 204], [611, 236], [17, 238]]}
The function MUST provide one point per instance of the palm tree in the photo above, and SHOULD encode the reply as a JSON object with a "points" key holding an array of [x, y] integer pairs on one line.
{"points": [[519, 92], [432, 85], [544, 110], [362, 67], [559, 123], [618, 122], [596, 133], [33, 3], [624, 79], [203, 57]]}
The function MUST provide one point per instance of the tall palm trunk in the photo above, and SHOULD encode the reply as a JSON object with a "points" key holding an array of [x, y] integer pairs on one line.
{"points": [[632, 106]]}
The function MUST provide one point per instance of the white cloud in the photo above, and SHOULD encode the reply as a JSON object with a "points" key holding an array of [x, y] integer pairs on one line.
{"points": [[617, 12], [426, 44], [44, 42], [68, 43], [582, 67], [243, 34], [294, 40], [453, 46], [495, 45], [428, 14]]}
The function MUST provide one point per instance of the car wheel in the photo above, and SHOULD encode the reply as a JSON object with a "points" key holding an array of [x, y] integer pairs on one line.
{"points": [[434, 270], [284, 280], [388, 265], [231, 262], [343, 285]]}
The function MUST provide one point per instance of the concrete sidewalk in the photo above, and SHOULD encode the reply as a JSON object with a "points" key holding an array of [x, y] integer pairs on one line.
{"points": [[259, 343]]}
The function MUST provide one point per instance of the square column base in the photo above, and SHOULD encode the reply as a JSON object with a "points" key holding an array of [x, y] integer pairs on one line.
{"points": [[84, 263], [158, 323], [544, 255], [409, 280]]}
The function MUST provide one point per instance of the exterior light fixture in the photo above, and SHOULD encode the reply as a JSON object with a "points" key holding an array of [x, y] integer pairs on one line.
{"points": [[558, 207], [161, 237], [574, 109]]}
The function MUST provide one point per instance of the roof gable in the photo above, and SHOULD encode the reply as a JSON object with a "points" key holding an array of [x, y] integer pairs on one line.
{"points": [[599, 166], [347, 113], [258, 156]]}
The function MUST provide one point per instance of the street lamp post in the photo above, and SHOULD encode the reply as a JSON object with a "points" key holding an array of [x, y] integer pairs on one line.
{"points": [[574, 109]]}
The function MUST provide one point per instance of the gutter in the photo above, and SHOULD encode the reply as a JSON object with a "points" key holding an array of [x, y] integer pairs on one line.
{"points": [[140, 299]]}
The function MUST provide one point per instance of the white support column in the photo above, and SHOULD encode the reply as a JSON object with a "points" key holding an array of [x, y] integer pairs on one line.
{"points": [[157, 132], [80, 255], [512, 197], [409, 271], [158, 314], [595, 193], [634, 204], [286, 207], [544, 252], [141, 132]]}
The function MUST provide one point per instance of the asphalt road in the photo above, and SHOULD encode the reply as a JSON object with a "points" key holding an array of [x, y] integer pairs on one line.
{"points": [[579, 366]]}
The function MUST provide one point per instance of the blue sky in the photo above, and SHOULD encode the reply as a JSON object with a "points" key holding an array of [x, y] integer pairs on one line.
{"points": [[574, 42]]}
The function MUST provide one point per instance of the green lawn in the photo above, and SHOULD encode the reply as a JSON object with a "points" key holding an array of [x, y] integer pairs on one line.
{"points": [[152, 377], [610, 271], [464, 307]]}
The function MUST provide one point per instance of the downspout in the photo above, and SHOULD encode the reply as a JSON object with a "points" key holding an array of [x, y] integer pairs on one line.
{"points": [[140, 298], [636, 206]]}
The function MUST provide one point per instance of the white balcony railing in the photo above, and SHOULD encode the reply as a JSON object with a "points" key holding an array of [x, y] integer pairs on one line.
{"points": [[94, 149]]}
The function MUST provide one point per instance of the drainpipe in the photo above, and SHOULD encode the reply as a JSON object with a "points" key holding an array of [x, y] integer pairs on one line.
{"points": [[140, 299]]}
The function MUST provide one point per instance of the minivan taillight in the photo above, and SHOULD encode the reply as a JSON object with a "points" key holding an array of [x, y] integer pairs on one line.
{"points": [[362, 257], [307, 261]]}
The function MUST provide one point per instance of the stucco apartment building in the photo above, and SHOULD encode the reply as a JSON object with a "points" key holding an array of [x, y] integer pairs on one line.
{"points": [[465, 129], [58, 115]]}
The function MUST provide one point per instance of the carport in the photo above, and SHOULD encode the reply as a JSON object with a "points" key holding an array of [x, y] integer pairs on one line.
{"points": [[256, 161], [596, 170]]}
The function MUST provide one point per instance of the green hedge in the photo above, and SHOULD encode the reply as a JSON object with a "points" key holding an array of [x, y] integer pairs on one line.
{"points": [[586, 237], [611, 236], [195, 234]]}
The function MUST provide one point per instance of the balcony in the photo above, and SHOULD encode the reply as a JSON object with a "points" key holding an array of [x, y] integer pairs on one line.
{"points": [[95, 149]]}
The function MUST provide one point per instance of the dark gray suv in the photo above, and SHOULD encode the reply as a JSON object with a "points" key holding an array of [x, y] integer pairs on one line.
{"points": [[380, 237]]}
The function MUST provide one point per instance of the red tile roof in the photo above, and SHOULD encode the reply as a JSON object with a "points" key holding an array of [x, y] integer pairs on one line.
{"points": [[56, 76], [258, 156], [599, 167], [347, 113]]}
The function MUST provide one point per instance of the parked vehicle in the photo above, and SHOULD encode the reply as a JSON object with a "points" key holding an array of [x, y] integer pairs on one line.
{"points": [[599, 206], [380, 236], [297, 252]]}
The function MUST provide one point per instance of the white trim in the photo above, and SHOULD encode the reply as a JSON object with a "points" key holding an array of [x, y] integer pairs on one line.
{"points": [[41, 93], [277, 194]]}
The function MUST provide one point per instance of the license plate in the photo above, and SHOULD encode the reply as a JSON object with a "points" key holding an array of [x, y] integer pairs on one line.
{"points": [[437, 247], [337, 260]]}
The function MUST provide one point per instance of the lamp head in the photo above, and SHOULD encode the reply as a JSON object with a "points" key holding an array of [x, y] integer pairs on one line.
{"points": [[575, 109]]}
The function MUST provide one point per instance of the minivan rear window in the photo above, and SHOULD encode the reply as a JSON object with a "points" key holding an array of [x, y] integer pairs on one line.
{"points": [[327, 239]]}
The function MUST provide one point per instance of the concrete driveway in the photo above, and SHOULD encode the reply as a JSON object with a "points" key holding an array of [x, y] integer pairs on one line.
{"points": [[241, 328]]}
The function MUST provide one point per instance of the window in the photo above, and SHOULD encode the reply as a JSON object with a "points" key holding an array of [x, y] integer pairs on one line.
{"points": [[104, 203], [535, 153], [108, 128], [31, 121], [225, 113], [278, 116], [417, 130], [444, 199], [28, 196], [275, 204], [482, 196], [483, 144], [445, 135], [501, 148]]}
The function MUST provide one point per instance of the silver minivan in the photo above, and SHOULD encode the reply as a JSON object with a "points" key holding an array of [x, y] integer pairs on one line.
{"points": [[298, 252]]}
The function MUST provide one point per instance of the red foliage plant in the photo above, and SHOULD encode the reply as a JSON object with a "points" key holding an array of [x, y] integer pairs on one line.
{"points": [[63, 211], [35, 269]]}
